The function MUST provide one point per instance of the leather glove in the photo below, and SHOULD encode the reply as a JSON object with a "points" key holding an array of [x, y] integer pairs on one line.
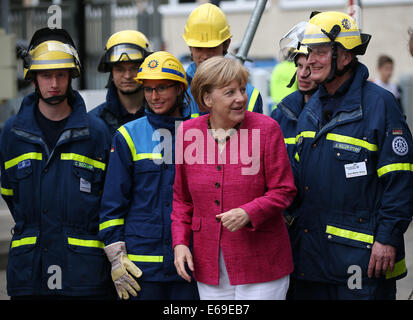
{"points": [[122, 268]]}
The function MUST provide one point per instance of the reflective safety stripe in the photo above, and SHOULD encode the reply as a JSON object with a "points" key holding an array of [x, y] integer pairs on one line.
{"points": [[399, 269], [289, 140], [253, 99], [342, 34], [129, 141], [137, 156], [351, 140], [306, 134], [7, 192], [23, 242], [140, 258], [26, 156], [353, 235], [111, 223], [141, 156], [194, 115], [85, 243], [42, 62], [394, 167], [78, 157], [297, 157]]}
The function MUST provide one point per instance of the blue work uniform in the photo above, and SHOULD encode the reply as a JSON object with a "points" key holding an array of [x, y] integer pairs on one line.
{"points": [[355, 182], [113, 113], [286, 113], [137, 202], [254, 97], [54, 196]]}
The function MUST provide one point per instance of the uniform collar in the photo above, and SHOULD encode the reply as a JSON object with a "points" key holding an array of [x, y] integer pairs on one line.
{"points": [[25, 119], [292, 105], [167, 122]]}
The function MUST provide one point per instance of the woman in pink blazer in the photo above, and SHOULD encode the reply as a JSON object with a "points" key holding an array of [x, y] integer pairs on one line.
{"points": [[233, 180]]}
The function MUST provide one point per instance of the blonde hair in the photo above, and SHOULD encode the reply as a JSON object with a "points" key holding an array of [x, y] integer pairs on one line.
{"points": [[216, 72]]}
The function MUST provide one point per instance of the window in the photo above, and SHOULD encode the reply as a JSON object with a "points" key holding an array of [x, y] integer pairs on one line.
{"points": [[184, 7], [322, 4]]}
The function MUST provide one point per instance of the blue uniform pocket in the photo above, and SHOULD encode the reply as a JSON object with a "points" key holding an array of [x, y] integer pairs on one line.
{"points": [[87, 265], [21, 259]]}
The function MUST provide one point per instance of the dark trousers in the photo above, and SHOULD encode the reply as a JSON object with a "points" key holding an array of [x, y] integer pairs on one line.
{"points": [[374, 289], [167, 291]]}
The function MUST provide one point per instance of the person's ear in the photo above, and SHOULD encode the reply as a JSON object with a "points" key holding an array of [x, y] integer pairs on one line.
{"points": [[207, 99]]}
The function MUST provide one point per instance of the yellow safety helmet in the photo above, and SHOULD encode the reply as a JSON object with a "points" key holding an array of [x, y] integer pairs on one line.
{"points": [[51, 49], [336, 27], [162, 65], [126, 45], [206, 27]]}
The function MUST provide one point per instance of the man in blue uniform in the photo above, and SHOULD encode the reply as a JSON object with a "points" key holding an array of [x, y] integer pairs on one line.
{"points": [[124, 53], [207, 34], [286, 113], [353, 171], [53, 159]]}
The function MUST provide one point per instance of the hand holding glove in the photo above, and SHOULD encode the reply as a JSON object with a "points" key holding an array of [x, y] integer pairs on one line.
{"points": [[122, 268]]}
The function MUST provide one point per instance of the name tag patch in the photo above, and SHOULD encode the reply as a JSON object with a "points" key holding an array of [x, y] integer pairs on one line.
{"points": [[356, 169], [85, 186], [347, 147], [24, 164], [83, 165]]}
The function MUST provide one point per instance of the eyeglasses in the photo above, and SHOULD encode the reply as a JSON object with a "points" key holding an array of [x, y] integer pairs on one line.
{"points": [[159, 90]]}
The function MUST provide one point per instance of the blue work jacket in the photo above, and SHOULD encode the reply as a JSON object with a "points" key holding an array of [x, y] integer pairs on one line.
{"points": [[112, 112], [355, 183], [137, 198], [54, 198], [254, 96], [286, 113]]}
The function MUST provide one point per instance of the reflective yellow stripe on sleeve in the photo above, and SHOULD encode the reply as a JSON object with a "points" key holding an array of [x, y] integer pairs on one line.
{"points": [[289, 140], [85, 243], [253, 99], [394, 167], [145, 258], [7, 192], [151, 156], [351, 140], [306, 134], [353, 235], [297, 157], [399, 269], [78, 157], [23, 242], [26, 156], [194, 115], [111, 223]]}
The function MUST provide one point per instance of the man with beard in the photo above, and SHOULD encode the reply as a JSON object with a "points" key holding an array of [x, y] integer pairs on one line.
{"points": [[124, 52]]}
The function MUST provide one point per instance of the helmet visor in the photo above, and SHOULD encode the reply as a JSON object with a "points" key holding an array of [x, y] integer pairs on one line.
{"points": [[125, 52], [290, 43]]}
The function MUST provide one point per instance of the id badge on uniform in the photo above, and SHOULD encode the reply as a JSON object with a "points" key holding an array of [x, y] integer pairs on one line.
{"points": [[356, 169], [85, 186]]}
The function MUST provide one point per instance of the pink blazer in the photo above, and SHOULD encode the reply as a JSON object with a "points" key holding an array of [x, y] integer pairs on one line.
{"points": [[206, 184]]}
